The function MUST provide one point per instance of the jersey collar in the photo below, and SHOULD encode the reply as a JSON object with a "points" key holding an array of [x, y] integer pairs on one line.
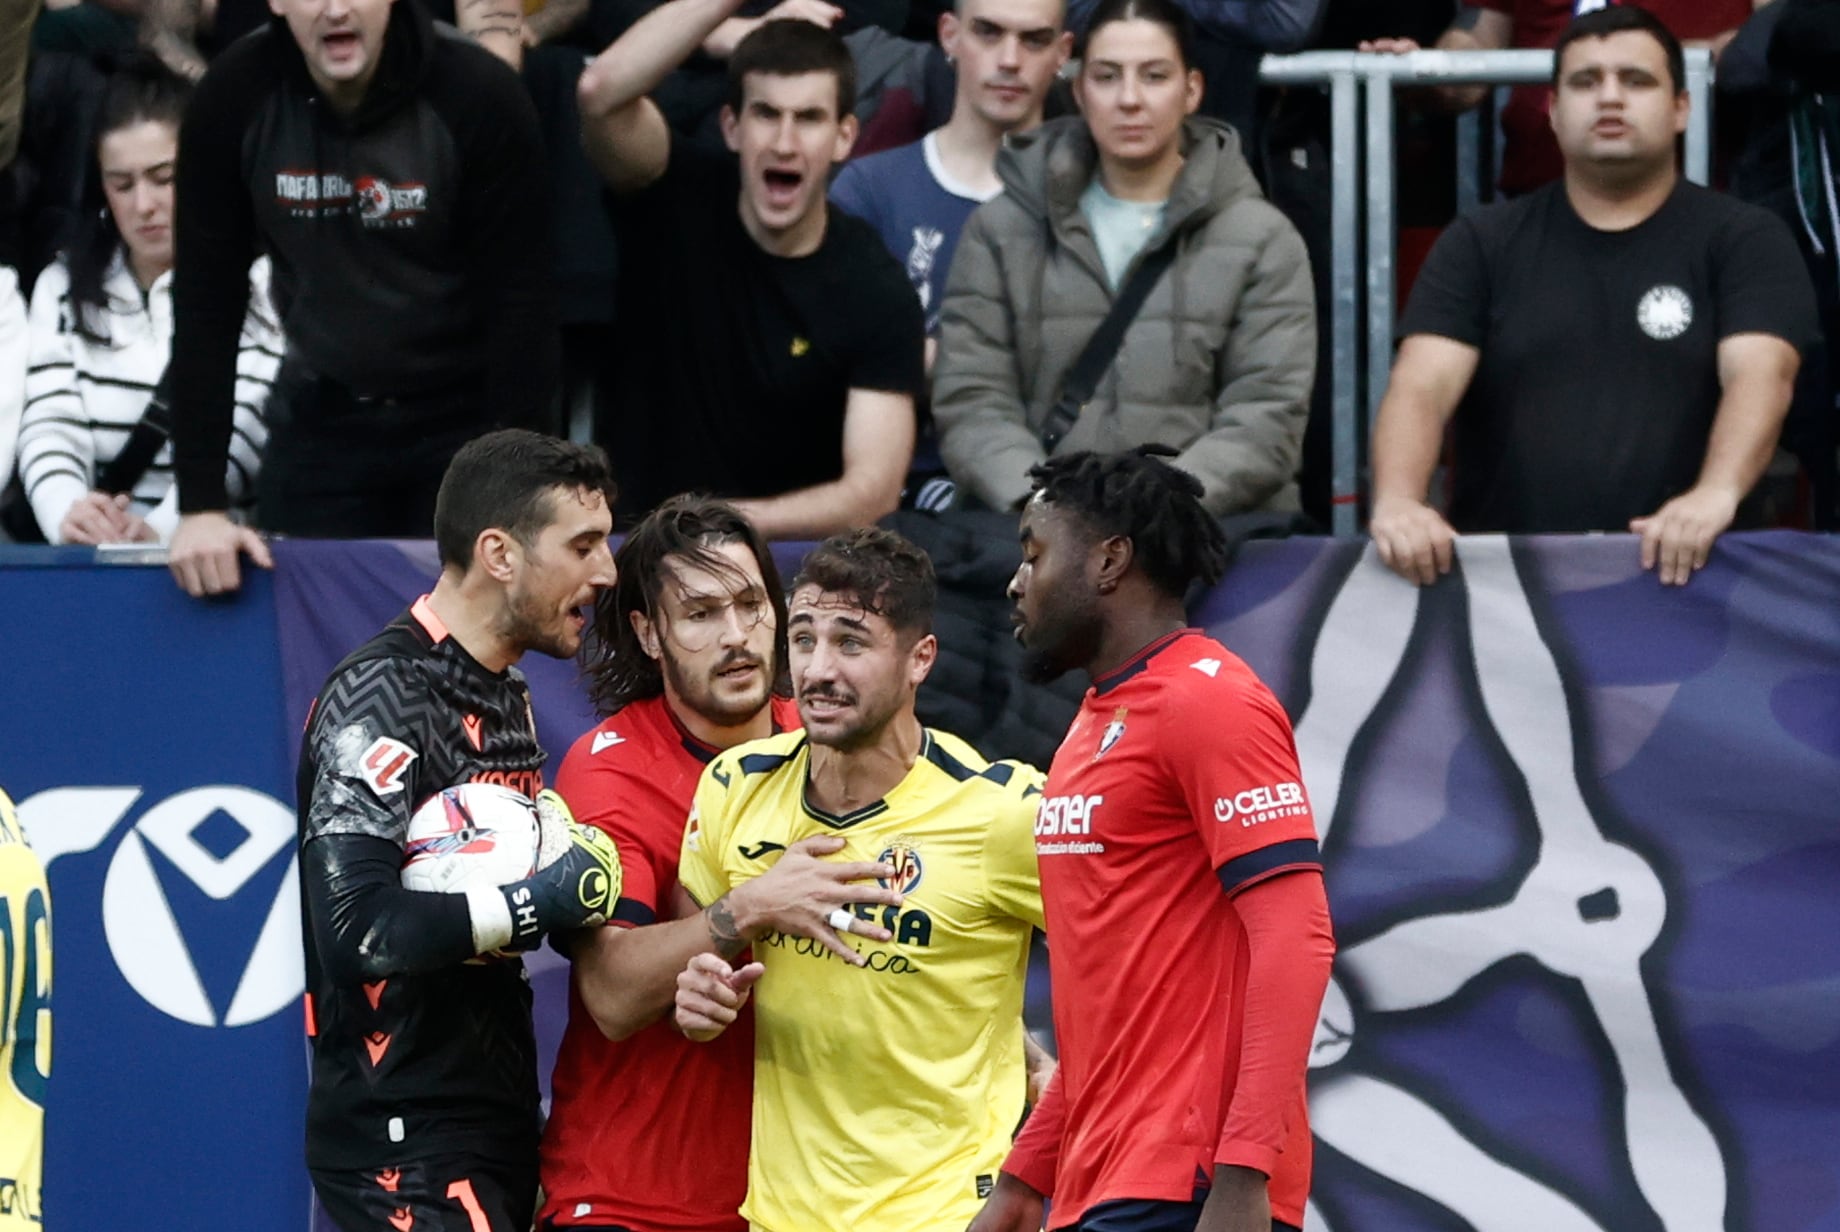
{"points": [[700, 749], [875, 808], [1136, 663]]}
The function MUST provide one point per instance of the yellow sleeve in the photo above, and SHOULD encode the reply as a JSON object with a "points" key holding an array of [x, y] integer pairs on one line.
{"points": [[1012, 883], [699, 864]]}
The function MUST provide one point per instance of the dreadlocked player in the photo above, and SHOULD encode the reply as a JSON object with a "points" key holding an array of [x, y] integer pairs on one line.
{"points": [[1189, 933]]}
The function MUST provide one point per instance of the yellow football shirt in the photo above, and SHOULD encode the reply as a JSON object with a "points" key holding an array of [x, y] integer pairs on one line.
{"points": [[25, 1025], [885, 1096]]}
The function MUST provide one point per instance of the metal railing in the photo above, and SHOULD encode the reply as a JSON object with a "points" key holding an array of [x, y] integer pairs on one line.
{"points": [[1357, 81]]}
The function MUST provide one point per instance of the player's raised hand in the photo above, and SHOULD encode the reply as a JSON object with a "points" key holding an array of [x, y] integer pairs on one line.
{"points": [[1011, 1207], [806, 895], [710, 994]]}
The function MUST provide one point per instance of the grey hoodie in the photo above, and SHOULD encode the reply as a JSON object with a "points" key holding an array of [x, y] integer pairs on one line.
{"points": [[1218, 363]]}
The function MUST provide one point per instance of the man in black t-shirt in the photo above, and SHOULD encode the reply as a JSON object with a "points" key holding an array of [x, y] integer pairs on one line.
{"points": [[769, 347], [1623, 344], [423, 1105]]}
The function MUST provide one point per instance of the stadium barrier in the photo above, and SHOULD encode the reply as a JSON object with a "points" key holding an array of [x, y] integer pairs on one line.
{"points": [[1578, 831], [1361, 88]]}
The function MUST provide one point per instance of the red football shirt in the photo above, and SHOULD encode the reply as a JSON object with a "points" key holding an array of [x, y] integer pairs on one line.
{"points": [[1178, 777], [648, 1133], [1530, 154]]}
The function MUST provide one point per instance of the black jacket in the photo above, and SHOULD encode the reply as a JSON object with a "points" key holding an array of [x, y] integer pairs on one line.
{"points": [[411, 258]]}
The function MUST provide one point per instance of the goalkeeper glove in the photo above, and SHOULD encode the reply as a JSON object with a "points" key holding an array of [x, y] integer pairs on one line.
{"points": [[578, 890]]}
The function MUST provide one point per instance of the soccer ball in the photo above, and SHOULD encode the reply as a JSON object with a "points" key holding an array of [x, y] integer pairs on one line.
{"points": [[471, 835]]}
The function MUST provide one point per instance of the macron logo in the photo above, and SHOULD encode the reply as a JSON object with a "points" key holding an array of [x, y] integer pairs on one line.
{"points": [[1210, 666], [605, 740]]}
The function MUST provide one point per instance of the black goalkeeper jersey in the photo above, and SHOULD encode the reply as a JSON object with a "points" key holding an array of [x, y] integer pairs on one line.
{"points": [[407, 1066]]}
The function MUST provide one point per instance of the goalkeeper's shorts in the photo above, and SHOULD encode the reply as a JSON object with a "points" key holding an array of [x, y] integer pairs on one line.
{"points": [[449, 1193]]}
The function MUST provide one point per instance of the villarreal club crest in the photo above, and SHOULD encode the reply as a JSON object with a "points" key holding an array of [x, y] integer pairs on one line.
{"points": [[902, 856]]}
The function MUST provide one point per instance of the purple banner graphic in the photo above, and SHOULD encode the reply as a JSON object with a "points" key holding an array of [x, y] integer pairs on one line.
{"points": [[1581, 849]]}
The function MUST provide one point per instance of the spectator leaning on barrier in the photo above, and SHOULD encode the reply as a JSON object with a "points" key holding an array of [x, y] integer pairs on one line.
{"points": [[1623, 344], [918, 196], [1529, 157], [1218, 361], [388, 167], [94, 462], [769, 347]]}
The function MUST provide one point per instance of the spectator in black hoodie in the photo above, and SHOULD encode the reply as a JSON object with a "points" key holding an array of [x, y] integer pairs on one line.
{"points": [[392, 170]]}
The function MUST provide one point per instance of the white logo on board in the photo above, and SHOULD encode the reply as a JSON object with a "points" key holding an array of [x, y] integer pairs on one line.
{"points": [[144, 935]]}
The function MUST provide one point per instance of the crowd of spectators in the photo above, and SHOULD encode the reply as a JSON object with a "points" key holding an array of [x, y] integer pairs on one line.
{"points": [[266, 272]]}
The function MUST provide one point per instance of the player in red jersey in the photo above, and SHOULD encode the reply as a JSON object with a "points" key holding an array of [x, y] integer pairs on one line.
{"points": [[1189, 939], [686, 651]]}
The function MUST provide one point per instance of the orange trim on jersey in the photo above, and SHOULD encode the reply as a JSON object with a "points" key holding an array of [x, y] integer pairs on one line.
{"points": [[312, 1018], [423, 611], [374, 992], [376, 1043]]}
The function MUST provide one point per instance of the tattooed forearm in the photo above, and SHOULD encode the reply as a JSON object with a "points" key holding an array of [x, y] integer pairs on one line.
{"points": [[723, 930]]}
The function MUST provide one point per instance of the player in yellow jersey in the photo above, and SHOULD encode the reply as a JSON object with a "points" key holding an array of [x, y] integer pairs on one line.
{"points": [[25, 1024], [886, 1094]]}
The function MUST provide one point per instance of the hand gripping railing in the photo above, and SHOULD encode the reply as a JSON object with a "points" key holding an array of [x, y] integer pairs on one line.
{"points": [[1350, 78]]}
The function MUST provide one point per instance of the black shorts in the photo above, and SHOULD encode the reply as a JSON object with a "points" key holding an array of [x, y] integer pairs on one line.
{"points": [[450, 1193], [1150, 1215]]}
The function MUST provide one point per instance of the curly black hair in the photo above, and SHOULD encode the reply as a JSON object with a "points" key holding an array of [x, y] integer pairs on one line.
{"points": [[1141, 497], [888, 574]]}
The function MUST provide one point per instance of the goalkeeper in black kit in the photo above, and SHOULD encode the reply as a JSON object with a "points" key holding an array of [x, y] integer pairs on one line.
{"points": [[423, 1109]]}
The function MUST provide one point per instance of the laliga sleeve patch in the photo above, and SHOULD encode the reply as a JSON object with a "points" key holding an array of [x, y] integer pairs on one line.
{"points": [[383, 764]]}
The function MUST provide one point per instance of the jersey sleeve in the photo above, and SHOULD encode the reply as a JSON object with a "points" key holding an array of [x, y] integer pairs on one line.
{"points": [[367, 750], [604, 797], [1290, 946], [1450, 298], [699, 865], [1036, 1156], [1762, 283], [1232, 756], [1012, 881]]}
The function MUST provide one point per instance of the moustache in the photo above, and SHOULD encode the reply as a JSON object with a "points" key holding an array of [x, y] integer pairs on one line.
{"points": [[739, 658]]}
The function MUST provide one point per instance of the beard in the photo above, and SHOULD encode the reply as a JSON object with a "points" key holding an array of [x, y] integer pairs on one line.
{"points": [[1055, 645], [700, 693], [527, 626]]}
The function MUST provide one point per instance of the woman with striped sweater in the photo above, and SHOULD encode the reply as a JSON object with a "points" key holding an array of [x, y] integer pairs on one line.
{"points": [[101, 330]]}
